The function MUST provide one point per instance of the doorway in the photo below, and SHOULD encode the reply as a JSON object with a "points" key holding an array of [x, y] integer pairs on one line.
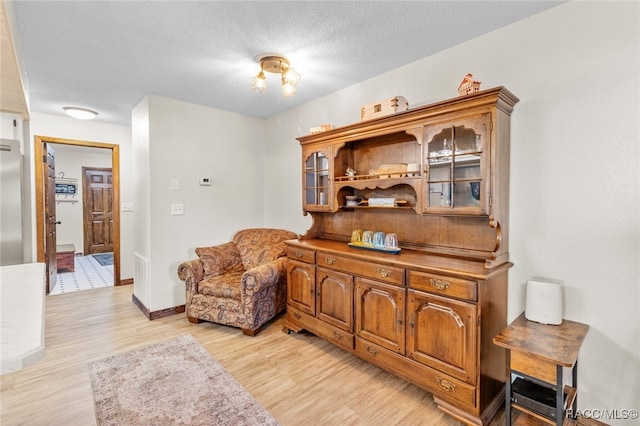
{"points": [[45, 209]]}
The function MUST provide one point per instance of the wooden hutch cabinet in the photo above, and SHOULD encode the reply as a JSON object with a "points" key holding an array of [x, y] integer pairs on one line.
{"points": [[428, 312]]}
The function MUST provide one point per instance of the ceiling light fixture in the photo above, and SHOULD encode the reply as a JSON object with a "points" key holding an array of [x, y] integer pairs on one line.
{"points": [[276, 64], [80, 113]]}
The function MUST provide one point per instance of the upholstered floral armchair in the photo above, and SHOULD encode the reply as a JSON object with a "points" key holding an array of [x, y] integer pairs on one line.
{"points": [[242, 283]]}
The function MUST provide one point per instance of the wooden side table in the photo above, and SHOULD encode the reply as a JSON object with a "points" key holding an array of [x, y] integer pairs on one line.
{"points": [[538, 353]]}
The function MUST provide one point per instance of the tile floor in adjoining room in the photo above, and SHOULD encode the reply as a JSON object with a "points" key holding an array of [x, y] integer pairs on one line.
{"points": [[88, 274]]}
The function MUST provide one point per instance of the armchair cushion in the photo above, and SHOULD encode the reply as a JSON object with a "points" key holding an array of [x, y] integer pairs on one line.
{"points": [[219, 260], [260, 246], [225, 285]]}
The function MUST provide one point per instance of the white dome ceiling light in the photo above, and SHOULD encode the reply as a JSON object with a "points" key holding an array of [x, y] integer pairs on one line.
{"points": [[80, 113]]}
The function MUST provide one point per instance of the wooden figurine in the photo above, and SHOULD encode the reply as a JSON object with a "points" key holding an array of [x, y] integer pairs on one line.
{"points": [[468, 85]]}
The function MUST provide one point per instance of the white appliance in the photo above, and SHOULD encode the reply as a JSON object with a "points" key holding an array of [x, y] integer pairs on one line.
{"points": [[11, 203], [543, 302]]}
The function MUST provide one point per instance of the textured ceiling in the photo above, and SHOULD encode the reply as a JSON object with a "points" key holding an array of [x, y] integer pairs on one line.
{"points": [[107, 55]]}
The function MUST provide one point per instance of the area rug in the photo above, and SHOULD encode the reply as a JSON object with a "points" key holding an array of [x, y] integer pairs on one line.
{"points": [[105, 259], [175, 382]]}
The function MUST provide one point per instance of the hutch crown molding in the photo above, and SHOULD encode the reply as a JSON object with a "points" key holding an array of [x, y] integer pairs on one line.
{"points": [[427, 314]]}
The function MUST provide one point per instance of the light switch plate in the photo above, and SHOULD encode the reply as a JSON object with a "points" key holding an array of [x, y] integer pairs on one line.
{"points": [[126, 207], [177, 209], [175, 184], [206, 181]]}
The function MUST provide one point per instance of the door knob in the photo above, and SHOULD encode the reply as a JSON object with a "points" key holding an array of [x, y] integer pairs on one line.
{"points": [[58, 222]]}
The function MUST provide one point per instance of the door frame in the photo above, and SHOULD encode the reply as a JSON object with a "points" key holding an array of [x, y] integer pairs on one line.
{"points": [[39, 142]]}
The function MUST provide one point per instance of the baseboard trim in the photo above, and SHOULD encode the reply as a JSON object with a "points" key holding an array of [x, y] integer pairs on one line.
{"points": [[156, 314], [126, 281], [167, 312]]}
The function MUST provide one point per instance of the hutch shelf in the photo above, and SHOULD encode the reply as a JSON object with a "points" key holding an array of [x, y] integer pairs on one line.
{"points": [[428, 312]]}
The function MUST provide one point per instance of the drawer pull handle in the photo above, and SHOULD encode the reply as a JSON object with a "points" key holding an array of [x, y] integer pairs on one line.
{"points": [[337, 335], [445, 384], [384, 273], [299, 254], [439, 284], [330, 260], [372, 350], [297, 315]]}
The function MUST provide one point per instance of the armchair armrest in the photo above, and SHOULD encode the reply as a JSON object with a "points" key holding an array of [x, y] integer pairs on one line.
{"points": [[191, 272], [263, 276]]}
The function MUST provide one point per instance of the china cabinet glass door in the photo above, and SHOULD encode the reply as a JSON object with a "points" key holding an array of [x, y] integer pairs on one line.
{"points": [[457, 181], [316, 176]]}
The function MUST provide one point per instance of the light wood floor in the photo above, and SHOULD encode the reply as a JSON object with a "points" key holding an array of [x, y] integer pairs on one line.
{"points": [[299, 378]]}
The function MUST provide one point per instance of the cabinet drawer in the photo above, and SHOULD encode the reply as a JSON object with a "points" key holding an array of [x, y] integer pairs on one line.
{"points": [[441, 385], [445, 286], [336, 336], [534, 366], [321, 329], [303, 255], [390, 274]]}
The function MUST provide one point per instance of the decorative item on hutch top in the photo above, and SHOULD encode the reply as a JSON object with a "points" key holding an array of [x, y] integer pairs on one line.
{"points": [[321, 128], [414, 278], [468, 85], [384, 107]]}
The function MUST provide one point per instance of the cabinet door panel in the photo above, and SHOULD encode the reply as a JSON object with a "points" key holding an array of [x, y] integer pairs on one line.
{"points": [[380, 313], [457, 157], [301, 286], [442, 334], [317, 193], [334, 298]]}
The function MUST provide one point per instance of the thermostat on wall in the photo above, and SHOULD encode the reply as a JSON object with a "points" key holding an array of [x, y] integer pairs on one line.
{"points": [[205, 181]]}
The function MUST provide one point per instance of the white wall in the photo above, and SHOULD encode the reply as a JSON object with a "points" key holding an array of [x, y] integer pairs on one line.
{"points": [[60, 126], [11, 127], [141, 185], [575, 167], [186, 142]]}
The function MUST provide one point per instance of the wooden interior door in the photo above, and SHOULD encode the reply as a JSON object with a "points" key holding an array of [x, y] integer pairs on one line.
{"points": [[97, 198], [50, 216]]}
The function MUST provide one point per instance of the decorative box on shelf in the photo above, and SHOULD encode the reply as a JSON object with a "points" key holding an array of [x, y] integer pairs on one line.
{"points": [[382, 202], [384, 107], [321, 128]]}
